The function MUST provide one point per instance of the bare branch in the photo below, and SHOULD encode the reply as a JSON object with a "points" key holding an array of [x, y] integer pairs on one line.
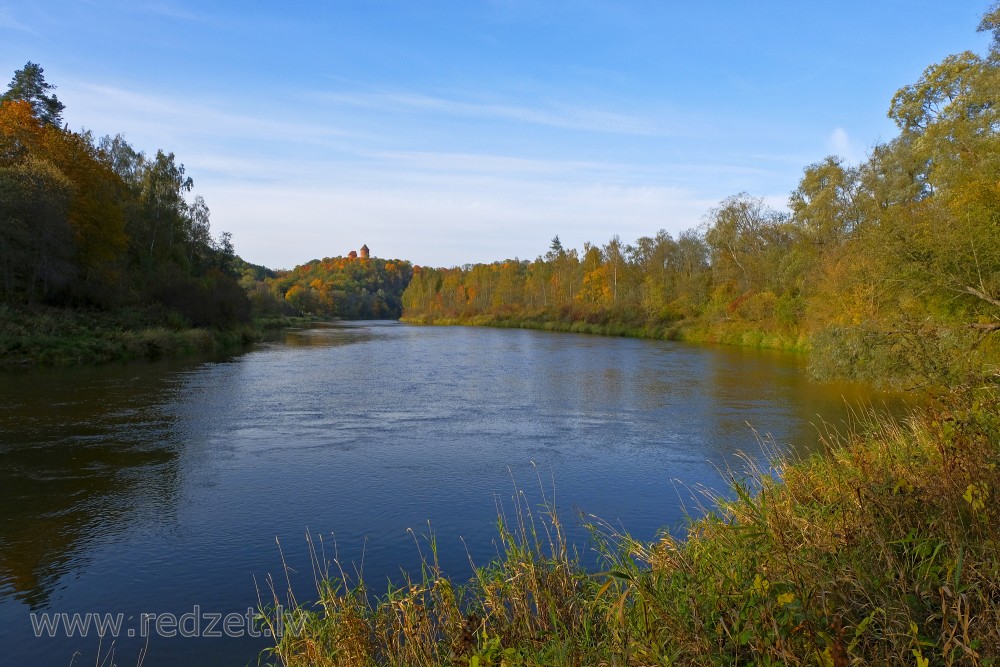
{"points": [[982, 295]]}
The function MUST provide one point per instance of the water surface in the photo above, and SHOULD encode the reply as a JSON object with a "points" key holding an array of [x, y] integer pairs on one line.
{"points": [[152, 488]]}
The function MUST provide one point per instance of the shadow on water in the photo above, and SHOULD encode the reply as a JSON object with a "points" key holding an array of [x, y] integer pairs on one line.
{"points": [[85, 452], [754, 390]]}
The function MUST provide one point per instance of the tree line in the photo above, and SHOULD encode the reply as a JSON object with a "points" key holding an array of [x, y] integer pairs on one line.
{"points": [[88, 222], [889, 268]]}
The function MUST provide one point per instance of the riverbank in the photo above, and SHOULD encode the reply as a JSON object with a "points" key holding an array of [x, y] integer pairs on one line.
{"points": [[45, 336], [881, 551], [736, 333]]}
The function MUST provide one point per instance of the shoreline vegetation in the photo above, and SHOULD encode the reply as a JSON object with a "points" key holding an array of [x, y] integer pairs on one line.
{"points": [[46, 336], [102, 255], [734, 334], [884, 549]]}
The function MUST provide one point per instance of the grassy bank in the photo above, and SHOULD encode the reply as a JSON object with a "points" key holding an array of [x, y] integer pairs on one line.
{"points": [[63, 337], [882, 551], [272, 322], [743, 334]]}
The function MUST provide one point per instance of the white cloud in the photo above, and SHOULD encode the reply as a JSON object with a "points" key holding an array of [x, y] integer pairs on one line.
{"points": [[292, 189], [560, 116], [159, 115], [840, 143]]}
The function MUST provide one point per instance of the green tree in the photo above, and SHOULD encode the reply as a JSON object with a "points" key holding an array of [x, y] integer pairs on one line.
{"points": [[916, 290], [555, 249], [951, 236], [824, 206], [29, 85]]}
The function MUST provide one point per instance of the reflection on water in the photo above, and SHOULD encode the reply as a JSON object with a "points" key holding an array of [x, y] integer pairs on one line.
{"points": [[331, 336], [153, 488], [85, 453]]}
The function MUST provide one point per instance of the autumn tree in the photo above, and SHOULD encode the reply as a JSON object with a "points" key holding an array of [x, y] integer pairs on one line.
{"points": [[96, 223], [53, 181], [916, 291], [29, 85], [352, 288]]}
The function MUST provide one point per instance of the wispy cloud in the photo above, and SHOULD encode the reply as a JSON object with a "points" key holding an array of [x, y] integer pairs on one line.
{"points": [[319, 180], [558, 116], [499, 165], [130, 110], [840, 143], [171, 11], [8, 21]]}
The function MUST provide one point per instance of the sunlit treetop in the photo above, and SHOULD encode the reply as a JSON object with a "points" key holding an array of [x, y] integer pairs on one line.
{"points": [[29, 85]]}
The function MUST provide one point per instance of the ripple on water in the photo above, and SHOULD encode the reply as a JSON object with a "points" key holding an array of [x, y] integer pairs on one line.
{"points": [[157, 487]]}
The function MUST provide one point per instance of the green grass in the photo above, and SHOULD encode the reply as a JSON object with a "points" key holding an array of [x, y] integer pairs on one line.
{"points": [[736, 333], [881, 551], [64, 337]]}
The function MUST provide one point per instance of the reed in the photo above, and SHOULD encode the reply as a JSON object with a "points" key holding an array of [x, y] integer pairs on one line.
{"points": [[881, 550]]}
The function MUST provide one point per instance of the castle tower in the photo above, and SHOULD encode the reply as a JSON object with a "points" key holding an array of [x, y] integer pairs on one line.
{"points": [[364, 252]]}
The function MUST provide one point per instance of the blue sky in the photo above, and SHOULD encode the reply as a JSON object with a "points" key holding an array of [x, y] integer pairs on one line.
{"points": [[453, 132]]}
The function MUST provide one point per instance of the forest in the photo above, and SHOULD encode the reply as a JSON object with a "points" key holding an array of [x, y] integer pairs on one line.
{"points": [[885, 269], [358, 288], [102, 253], [94, 222], [105, 254]]}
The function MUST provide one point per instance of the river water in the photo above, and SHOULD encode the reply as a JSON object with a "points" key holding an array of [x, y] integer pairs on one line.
{"points": [[164, 489]]}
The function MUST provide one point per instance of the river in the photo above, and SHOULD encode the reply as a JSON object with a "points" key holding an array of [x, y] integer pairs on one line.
{"points": [[164, 488]]}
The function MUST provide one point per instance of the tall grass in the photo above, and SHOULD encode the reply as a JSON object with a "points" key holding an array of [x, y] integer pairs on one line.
{"points": [[530, 602], [881, 551], [51, 336]]}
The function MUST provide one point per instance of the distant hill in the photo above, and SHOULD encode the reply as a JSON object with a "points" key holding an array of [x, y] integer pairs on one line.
{"points": [[347, 287]]}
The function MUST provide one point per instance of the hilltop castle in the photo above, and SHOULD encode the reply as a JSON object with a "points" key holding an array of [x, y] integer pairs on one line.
{"points": [[354, 253]]}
